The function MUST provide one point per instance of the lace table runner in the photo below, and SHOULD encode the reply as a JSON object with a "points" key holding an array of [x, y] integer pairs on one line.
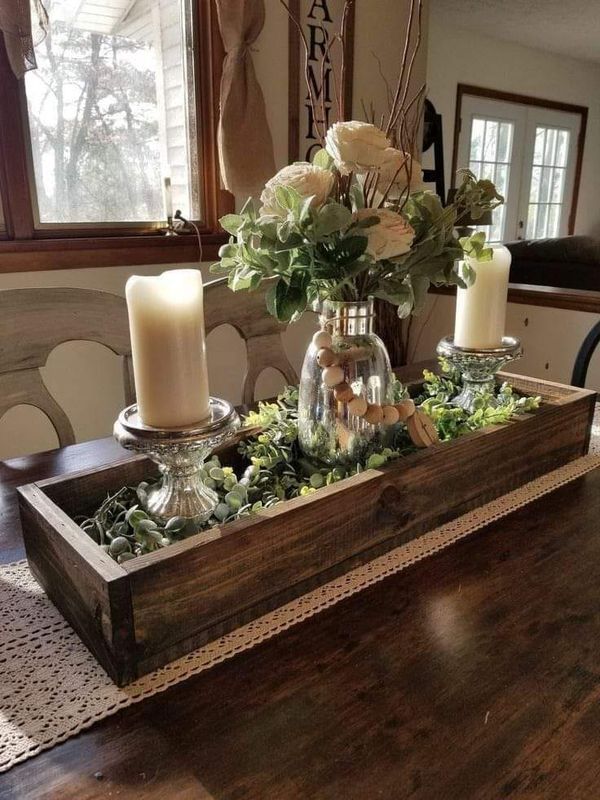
{"points": [[52, 687]]}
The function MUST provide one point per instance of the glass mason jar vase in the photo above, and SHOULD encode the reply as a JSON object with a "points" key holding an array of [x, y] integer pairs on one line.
{"points": [[326, 431]]}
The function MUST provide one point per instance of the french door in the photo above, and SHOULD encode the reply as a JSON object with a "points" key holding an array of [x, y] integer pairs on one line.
{"points": [[530, 153]]}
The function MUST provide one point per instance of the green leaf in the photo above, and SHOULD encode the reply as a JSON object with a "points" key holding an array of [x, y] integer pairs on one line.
{"points": [[290, 298], [287, 198], [350, 249], [232, 223], [322, 159], [332, 218]]}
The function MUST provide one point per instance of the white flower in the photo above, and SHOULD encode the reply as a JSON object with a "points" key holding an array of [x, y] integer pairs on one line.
{"points": [[391, 237], [395, 170], [307, 179], [356, 146]]}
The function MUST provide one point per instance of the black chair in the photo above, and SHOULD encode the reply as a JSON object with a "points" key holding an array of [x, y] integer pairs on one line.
{"points": [[584, 356]]}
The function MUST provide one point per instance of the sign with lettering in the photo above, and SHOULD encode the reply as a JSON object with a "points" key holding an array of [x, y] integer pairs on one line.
{"points": [[317, 64]]}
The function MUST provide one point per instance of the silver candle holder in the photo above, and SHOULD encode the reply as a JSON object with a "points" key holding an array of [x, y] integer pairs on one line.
{"points": [[478, 367], [180, 454]]}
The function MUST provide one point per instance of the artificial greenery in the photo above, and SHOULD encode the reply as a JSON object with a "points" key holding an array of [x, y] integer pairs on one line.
{"points": [[316, 253], [276, 470]]}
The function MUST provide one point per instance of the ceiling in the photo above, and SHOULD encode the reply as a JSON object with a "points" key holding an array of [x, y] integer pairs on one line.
{"points": [[568, 27]]}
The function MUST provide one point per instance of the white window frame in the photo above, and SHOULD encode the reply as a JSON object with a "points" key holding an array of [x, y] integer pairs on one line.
{"points": [[526, 113]]}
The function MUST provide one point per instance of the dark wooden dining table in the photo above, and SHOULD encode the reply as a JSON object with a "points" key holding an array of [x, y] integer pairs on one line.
{"points": [[473, 674]]}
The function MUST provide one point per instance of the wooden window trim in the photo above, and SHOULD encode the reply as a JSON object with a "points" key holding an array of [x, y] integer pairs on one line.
{"points": [[523, 99], [24, 248]]}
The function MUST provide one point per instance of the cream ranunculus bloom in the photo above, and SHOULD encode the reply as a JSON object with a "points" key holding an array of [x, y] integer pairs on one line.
{"points": [[306, 179], [396, 166], [391, 237], [356, 146]]}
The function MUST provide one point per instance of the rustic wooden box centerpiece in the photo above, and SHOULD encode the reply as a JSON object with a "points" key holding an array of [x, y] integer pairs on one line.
{"points": [[141, 614]]}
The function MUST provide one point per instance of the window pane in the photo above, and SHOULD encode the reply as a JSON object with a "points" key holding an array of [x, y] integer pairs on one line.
{"points": [[477, 139], [550, 144], [531, 221], [558, 180], [491, 140], [554, 220], [110, 114], [540, 142], [562, 149], [534, 192], [491, 152], [542, 219], [545, 185], [504, 142], [487, 171], [501, 178]]}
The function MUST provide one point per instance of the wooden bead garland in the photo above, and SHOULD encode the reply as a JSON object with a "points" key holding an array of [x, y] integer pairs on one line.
{"points": [[420, 427]]}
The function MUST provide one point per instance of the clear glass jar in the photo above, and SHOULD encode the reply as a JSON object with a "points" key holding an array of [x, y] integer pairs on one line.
{"points": [[326, 431]]}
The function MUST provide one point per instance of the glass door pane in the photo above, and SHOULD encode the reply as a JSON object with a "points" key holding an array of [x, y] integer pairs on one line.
{"points": [[547, 185], [491, 145]]}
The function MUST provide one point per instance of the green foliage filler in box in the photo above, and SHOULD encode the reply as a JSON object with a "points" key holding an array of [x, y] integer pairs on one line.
{"points": [[276, 470]]}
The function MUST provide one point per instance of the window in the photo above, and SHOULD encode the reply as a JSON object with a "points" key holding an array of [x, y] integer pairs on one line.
{"points": [[532, 151], [490, 157], [117, 125], [546, 210]]}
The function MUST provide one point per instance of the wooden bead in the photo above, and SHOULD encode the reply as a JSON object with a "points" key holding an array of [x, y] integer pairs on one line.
{"points": [[343, 393], [421, 429], [391, 415], [322, 339], [374, 415], [357, 406], [405, 409], [325, 357], [332, 376]]}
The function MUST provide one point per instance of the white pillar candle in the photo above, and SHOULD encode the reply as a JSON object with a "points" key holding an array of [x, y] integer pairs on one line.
{"points": [[166, 322], [481, 309]]}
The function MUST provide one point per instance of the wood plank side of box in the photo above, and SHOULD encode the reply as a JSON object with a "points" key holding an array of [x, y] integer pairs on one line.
{"points": [[163, 605]]}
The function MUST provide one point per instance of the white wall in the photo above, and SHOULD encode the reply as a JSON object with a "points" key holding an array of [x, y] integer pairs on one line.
{"points": [[459, 56], [551, 337], [85, 378]]}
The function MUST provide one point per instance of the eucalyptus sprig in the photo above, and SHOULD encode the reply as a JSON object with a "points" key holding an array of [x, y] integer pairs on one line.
{"points": [[311, 253], [276, 470]]}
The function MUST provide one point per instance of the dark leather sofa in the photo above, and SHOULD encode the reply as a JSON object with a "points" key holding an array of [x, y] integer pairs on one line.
{"points": [[570, 262]]}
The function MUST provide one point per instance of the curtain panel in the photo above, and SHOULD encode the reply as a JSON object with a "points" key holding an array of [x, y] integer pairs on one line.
{"points": [[245, 142], [23, 26]]}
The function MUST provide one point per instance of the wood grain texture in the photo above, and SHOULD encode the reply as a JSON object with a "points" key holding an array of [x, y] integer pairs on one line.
{"points": [[216, 581], [545, 296], [91, 590], [472, 675]]}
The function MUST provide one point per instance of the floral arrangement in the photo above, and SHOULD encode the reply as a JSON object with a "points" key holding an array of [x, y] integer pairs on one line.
{"points": [[351, 225], [357, 221]]}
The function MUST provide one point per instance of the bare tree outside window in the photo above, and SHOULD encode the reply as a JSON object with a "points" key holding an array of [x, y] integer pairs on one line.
{"points": [[108, 112]]}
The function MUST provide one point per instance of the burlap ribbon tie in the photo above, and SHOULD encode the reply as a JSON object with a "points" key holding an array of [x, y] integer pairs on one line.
{"points": [[245, 142], [20, 35]]}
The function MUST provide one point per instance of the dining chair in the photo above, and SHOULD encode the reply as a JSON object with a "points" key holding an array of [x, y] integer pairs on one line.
{"points": [[584, 356], [34, 321], [247, 313]]}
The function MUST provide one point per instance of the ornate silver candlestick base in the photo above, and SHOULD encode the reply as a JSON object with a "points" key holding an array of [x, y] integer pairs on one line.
{"points": [[180, 454], [478, 367]]}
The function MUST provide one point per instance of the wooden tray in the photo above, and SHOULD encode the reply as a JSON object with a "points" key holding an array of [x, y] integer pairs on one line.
{"points": [[142, 614]]}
